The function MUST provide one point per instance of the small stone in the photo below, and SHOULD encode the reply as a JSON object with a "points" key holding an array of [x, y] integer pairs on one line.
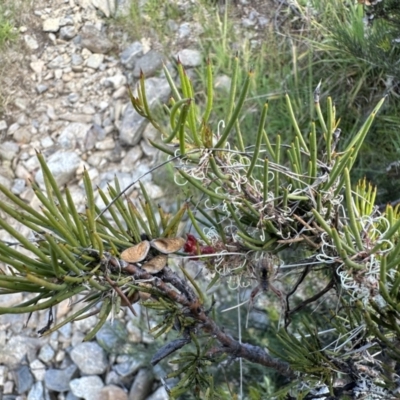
{"points": [[23, 379], [37, 66], [131, 54], [149, 64], [51, 25], [18, 186], [94, 40], [73, 97], [17, 347], [41, 88], [94, 61], [59, 62], [21, 103], [59, 379], [31, 42], [90, 358], [112, 392], [51, 113], [120, 93], [22, 135], [87, 387], [8, 150], [141, 386], [46, 353], [3, 125], [67, 32], [73, 135], [128, 367], [88, 109], [62, 165], [37, 392], [107, 144], [116, 81], [13, 128], [189, 58], [38, 369], [46, 142], [76, 59]]}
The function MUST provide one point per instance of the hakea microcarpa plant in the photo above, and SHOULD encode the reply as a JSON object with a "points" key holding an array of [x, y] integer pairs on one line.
{"points": [[252, 208]]}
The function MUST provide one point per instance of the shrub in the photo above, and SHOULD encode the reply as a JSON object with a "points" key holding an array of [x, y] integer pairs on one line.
{"points": [[258, 212]]}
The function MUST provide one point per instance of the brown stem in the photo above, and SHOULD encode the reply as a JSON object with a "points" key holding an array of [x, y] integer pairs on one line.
{"points": [[229, 345]]}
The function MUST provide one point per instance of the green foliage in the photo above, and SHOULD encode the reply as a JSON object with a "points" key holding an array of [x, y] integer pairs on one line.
{"points": [[263, 211]]}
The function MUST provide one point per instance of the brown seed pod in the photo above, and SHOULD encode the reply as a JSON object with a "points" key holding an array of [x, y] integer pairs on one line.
{"points": [[168, 245], [136, 253], [156, 264]]}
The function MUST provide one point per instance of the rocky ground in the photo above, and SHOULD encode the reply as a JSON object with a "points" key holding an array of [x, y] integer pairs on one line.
{"points": [[67, 97]]}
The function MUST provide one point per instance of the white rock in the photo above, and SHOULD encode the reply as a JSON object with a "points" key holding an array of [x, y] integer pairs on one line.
{"points": [[87, 387], [189, 58], [51, 25], [94, 61], [3, 125], [63, 166], [115, 81], [31, 42]]}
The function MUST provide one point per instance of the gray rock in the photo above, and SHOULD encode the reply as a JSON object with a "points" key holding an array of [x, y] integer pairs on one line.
{"points": [[31, 42], [51, 25], [90, 358], [142, 384], [73, 135], [76, 59], [3, 125], [58, 379], [37, 392], [41, 88], [59, 62], [94, 61], [73, 97], [149, 64], [46, 353], [132, 124], [38, 369], [8, 150], [128, 367], [184, 30], [159, 394], [23, 379], [18, 186], [189, 58], [87, 387], [67, 32], [63, 166], [16, 348], [94, 40], [131, 54]]}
